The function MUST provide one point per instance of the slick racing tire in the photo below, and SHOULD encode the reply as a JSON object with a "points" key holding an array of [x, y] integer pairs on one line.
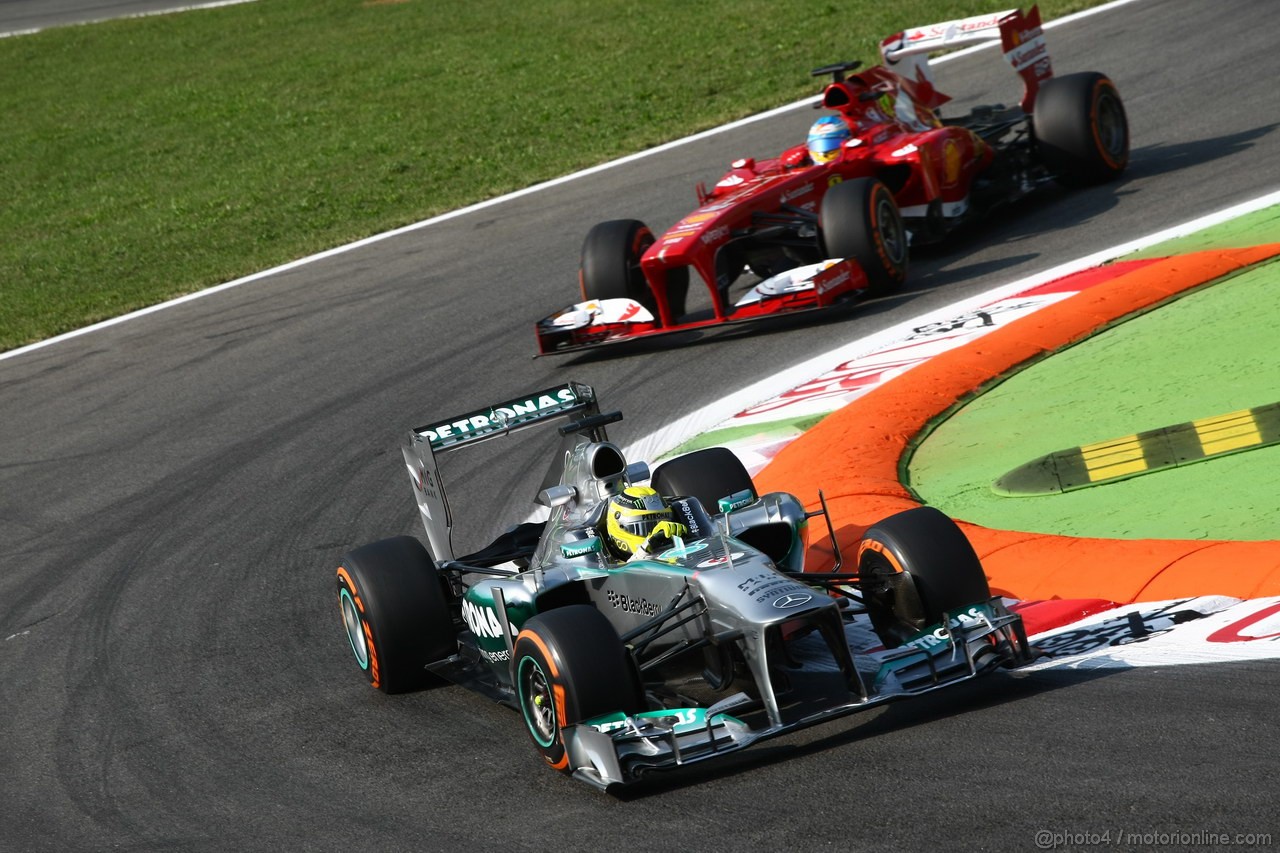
{"points": [[570, 666], [1082, 133], [915, 566], [610, 266], [708, 475], [859, 219], [395, 613]]}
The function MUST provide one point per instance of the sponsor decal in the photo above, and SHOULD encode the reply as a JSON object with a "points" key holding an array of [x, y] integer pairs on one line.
{"points": [[949, 31], [500, 656], [938, 636], [823, 283], [721, 560], [688, 519], [715, 235], [673, 718], [797, 193], [951, 163], [905, 150], [582, 548], [834, 179], [638, 605], [679, 553], [1027, 54], [694, 219], [499, 417], [763, 586], [735, 501], [482, 621], [731, 181]]}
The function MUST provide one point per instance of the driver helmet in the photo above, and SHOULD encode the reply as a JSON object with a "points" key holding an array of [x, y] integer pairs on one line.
{"points": [[825, 138], [632, 515]]}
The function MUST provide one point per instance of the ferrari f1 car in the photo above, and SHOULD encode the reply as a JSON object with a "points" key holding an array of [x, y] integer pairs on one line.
{"points": [[824, 225], [714, 641]]}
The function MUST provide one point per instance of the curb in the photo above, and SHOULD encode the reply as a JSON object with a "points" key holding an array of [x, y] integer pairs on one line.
{"points": [[854, 456]]}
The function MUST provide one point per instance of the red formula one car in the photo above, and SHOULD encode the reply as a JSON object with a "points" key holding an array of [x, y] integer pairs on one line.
{"points": [[831, 220]]}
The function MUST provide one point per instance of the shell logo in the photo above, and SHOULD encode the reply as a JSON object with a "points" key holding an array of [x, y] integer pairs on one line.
{"points": [[951, 162]]}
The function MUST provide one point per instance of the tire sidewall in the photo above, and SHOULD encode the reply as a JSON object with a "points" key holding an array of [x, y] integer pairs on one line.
{"points": [[393, 607], [587, 670], [1068, 119], [859, 219], [934, 568]]}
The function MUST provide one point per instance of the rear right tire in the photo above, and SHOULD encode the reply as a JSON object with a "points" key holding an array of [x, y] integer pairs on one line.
{"points": [[395, 613], [708, 475]]}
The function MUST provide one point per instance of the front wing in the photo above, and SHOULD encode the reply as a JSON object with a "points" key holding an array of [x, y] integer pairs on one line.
{"points": [[620, 748], [597, 322]]}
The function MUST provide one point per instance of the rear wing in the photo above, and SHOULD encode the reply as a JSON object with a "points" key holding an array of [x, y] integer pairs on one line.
{"points": [[1021, 38], [563, 401]]}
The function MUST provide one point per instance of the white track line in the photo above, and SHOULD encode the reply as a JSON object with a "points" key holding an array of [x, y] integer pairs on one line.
{"points": [[491, 202]]}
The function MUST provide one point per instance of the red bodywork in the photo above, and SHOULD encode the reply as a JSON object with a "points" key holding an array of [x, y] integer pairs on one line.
{"points": [[896, 138]]}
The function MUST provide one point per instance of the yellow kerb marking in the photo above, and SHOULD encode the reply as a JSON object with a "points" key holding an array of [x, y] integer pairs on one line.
{"points": [[1227, 432], [1114, 458]]}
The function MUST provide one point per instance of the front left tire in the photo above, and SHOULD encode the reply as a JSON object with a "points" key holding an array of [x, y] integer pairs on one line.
{"points": [[915, 566], [859, 219]]}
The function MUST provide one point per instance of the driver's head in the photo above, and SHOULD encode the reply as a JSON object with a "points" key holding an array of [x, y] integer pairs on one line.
{"points": [[632, 515], [825, 138]]}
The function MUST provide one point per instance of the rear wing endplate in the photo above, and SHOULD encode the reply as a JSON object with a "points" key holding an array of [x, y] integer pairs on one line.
{"points": [[570, 399], [1021, 38]]}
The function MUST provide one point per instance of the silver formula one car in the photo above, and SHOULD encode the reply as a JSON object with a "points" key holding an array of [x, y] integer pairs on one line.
{"points": [[714, 641]]}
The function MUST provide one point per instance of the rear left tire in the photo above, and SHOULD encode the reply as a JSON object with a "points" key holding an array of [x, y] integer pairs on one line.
{"points": [[1082, 132]]}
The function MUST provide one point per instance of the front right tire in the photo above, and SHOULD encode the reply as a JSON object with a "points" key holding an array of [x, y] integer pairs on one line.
{"points": [[610, 266], [569, 665]]}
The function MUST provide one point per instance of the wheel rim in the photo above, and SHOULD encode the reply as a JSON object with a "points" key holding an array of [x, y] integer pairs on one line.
{"points": [[889, 226], [355, 629], [1112, 132], [537, 703]]}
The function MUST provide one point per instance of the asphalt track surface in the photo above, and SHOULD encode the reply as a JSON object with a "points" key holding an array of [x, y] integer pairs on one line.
{"points": [[23, 16], [177, 490]]}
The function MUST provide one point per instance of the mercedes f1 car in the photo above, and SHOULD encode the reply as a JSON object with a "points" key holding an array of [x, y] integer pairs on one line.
{"points": [[714, 641], [817, 229]]}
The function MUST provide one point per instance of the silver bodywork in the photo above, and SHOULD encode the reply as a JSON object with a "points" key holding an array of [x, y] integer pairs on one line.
{"points": [[769, 652]]}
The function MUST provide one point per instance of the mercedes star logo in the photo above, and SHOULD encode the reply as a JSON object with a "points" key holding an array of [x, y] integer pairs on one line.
{"points": [[791, 599]]}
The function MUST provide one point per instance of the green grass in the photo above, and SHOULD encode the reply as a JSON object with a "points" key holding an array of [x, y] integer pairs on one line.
{"points": [[147, 158]]}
